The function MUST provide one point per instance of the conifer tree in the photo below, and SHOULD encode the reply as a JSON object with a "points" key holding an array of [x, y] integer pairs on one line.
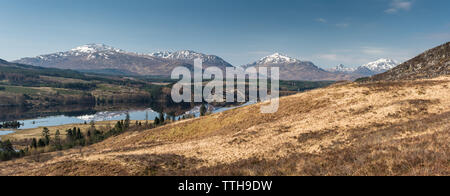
{"points": [[46, 135], [203, 110], [57, 140], [33, 143], [161, 118], [157, 122], [127, 121]]}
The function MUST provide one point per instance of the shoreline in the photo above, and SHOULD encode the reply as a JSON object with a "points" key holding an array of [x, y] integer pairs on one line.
{"points": [[23, 134]]}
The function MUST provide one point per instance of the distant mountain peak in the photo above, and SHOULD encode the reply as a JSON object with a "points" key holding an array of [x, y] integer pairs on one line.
{"points": [[93, 48], [342, 68], [3, 62], [182, 54], [190, 55], [382, 64], [103, 58], [276, 58], [369, 69]]}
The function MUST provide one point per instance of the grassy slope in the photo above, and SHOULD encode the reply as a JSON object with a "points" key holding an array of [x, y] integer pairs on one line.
{"points": [[393, 128]]}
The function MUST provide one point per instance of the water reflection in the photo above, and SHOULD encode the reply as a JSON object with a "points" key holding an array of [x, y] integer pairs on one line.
{"points": [[6, 132], [99, 116], [76, 115]]}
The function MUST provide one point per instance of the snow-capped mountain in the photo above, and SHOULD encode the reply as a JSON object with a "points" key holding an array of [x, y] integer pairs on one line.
{"points": [[189, 55], [3, 62], [100, 57], [381, 65], [276, 58], [376, 67], [342, 69], [295, 69], [369, 69], [87, 52], [93, 48]]}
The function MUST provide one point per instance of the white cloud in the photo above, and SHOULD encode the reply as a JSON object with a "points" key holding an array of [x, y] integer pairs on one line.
{"points": [[340, 25], [329, 57], [391, 10], [260, 52], [332, 59], [373, 51], [321, 20], [343, 25], [361, 55], [399, 5], [439, 36]]}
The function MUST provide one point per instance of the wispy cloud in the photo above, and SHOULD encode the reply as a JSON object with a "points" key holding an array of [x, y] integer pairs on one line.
{"points": [[342, 25], [362, 55], [399, 5], [321, 20], [447, 25], [347, 59], [329, 57], [260, 52], [373, 51], [325, 21], [439, 36]]}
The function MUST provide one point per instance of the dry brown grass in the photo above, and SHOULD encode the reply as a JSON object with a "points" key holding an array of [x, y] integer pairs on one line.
{"points": [[384, 128]]}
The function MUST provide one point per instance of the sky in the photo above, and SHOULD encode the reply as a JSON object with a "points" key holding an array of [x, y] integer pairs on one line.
{"points": [[326, 32]]}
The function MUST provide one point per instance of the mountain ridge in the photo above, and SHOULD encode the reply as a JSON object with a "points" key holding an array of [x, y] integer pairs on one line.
{"points": [[431, 63], [100, 56], [295, 69], [372, 68]]}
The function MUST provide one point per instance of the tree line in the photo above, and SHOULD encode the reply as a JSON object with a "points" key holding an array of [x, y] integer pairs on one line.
{"points": [[75, 137], [10, 125], [7, 151]]}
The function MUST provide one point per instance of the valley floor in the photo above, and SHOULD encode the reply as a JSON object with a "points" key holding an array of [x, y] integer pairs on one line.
{"points": [[384, 128]]}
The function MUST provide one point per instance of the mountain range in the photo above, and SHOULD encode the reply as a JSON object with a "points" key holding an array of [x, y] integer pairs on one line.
{"points": [[294, 69], [100, 58], [369, 69]]}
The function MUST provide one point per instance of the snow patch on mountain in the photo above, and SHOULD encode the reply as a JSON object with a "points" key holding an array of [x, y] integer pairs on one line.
{"points": [[369, 69], [89, 51], [381, 65], [189, 55], [94, 48], [276, 58], [342, 68]]}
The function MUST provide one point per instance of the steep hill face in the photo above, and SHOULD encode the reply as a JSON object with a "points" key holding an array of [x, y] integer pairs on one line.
{"points": [[100, 57], [384, 128], [294, 69], [3, 62], [430, 64]]}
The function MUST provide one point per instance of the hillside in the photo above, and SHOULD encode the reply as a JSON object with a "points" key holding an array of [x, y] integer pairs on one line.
{"points": [[432, 63], [384, 128], [31, 86]]}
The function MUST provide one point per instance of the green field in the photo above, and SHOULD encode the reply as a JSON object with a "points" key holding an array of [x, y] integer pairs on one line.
{"points": [[19, 89]]}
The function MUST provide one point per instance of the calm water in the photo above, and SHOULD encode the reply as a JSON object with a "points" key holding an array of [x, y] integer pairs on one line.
{"points": [[138, 114], [97, 117], [6, 132]]}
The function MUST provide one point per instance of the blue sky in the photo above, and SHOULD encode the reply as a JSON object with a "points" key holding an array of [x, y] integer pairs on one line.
{"points": [[327, 32]]}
